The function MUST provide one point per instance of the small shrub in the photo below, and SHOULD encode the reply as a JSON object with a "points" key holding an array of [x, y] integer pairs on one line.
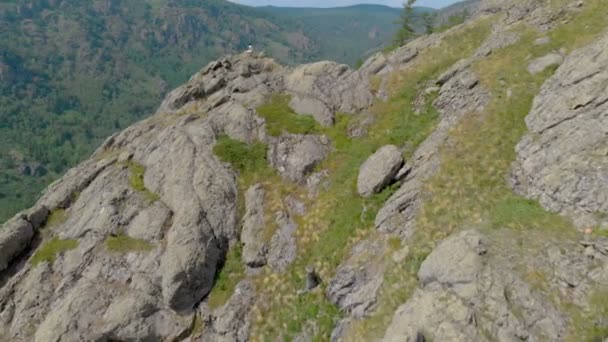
{"points": [[137, 176], [227, 277], [243, 157], [280, 118], [394, 243], [137, 181], [56, 217], [126, 244], [49, 251]]}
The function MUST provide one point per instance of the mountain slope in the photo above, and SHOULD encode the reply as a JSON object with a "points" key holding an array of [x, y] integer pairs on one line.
{"points": [[374, 24], [456, 182], [73, 72]]}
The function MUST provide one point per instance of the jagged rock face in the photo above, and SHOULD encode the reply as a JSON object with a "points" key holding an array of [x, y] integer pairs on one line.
{"points": [[252, 234], [468, 287], [229, 322], [187, 231], [563, 161], [355, 286], [329, 85], [295, 155], [93, 293]]}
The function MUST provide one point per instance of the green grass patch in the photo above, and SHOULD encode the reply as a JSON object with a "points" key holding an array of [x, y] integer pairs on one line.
{"points": [[243, 157], [339, 217], [56, 217], [136, 179], [516, 212], [280, 118], [198, 325], [227, 278], [48, 251], [126, 244], [592, 326]]}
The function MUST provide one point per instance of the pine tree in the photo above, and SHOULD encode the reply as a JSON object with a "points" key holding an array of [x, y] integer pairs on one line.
{"points": [[429, 22], [405, 31]]}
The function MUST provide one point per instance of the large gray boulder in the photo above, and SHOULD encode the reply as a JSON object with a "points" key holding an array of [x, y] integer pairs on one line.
{"points": [[355, 286], [304, 105], [15, 237], [540, 64], [455, 262], [338, 87], [295, 155], [440, 310], [379, 170], [230, 322], [562, 160], [434, 315], [282, 249]]}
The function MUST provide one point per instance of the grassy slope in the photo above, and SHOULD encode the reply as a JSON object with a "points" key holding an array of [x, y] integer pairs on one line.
{"points": [[470, 189], [334, 220]]}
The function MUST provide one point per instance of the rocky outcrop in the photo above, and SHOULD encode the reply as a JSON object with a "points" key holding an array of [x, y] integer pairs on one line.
{"points": [[15, 237], [472, 289], [329, 87], [282, 250], [252, 234], [540, 64], [355, 286], [460, 93], [181, 207], [245, 78], [562, 160], [296, 156], [229, 322], [311, 106], [379, 170], [149, 219]]}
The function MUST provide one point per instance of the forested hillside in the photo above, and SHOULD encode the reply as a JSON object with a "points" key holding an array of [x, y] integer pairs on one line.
{"points": [[73, 72]]}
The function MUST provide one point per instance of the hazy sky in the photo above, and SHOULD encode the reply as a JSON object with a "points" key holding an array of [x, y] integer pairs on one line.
{"points": [[336, 3]]}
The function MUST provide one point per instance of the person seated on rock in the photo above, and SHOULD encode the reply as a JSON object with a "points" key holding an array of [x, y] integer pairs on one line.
{"points": [[249, 50]]}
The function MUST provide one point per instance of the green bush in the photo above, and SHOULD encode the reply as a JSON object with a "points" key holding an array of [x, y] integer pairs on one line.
{"points": [[280, 118], [243, 157], [136, 179], [56, 217]]}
